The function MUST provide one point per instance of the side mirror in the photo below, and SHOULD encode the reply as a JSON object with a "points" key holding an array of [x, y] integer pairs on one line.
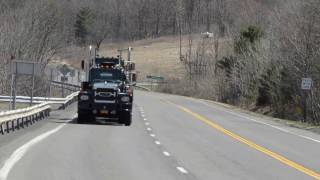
{"points": [[82, 64], [85, 86]]}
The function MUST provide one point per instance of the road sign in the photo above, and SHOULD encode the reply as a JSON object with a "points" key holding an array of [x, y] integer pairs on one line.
{"points": [[25, 67], [306, 83]]}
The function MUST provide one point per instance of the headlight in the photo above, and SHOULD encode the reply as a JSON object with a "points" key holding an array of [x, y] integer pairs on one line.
{"points": [[125, 99], [84, 97]]}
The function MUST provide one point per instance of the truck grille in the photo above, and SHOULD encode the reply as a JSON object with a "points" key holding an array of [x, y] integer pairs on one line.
{"points": [[105, 95]]}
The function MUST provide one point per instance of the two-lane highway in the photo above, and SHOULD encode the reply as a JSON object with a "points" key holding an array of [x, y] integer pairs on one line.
{"points": [[172, 137]]}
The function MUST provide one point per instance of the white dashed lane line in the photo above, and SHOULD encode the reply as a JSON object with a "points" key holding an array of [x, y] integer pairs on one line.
{"points": [[182, 170], [157, 142], [166, 153]]}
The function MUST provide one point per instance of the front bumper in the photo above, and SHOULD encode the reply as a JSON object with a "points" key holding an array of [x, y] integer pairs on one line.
{"points": [[106, 110]]}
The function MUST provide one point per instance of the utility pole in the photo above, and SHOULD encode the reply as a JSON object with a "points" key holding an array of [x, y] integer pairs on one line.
{"points": [[180, 40], [129, 59], [129, 49]]}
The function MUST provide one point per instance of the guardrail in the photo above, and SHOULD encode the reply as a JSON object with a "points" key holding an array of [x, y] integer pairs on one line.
{"points": [[66, 84], [16, 119], [36, 100], [71, 87], [141, 87]]}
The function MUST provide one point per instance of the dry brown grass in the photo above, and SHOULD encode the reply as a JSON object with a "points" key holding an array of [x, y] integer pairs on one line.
{"points": [[153, 56], [158, 56]]}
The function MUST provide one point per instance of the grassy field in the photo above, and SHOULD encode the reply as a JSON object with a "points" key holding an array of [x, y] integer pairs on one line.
{"points": [[152, 56]]}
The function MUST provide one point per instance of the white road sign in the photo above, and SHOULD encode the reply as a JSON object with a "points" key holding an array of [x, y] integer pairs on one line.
{"points": [[306, 83]]}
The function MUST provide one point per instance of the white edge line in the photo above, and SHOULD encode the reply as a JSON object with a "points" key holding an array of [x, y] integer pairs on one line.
{"points": [[306, 137], [152, 135], [21, 151], [149, 129], [267, 124], [182, 170], [157, 142]]}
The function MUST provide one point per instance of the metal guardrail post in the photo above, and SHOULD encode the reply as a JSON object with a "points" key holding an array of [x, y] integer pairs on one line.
{"points": [[7, 127], [1, 128], [18, 123], [12, 125]]}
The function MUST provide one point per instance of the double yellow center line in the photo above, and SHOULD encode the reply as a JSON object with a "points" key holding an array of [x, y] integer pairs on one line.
{"points": [[250, 143]]}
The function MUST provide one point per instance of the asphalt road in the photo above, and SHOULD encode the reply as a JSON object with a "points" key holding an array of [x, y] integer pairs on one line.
{"points": [[172, 137]]}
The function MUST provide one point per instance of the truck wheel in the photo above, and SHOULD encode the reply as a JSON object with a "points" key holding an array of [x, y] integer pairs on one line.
{"points": [[83, 118], [126, 118]]}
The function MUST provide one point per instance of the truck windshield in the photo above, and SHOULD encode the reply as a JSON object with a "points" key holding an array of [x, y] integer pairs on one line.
{"points": [[113, 75]]}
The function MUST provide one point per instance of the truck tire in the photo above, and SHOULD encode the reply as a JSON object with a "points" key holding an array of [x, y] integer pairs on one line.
{"points": [[83, 118], [125, 118]]}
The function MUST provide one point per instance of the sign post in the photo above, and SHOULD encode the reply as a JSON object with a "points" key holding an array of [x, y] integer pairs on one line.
{"points": [[306, 85]]}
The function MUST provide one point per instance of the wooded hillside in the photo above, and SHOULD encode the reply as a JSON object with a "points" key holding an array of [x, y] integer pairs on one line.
{"points": [[271, 44]]}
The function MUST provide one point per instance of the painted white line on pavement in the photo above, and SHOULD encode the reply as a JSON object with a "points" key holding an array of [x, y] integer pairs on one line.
{"points": [[166, 153], [144, 119], [20, 152], [267, 124], [157, 142], [182, 170], [306, 137], [149, 129], [147, 124], [152, 135]]}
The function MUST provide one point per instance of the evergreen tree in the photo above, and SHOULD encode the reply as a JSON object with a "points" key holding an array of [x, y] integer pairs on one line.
{"points": [[82, 25]]}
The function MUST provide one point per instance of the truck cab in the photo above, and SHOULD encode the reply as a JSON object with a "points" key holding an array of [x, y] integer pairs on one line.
{"points": [[108, 93]]}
